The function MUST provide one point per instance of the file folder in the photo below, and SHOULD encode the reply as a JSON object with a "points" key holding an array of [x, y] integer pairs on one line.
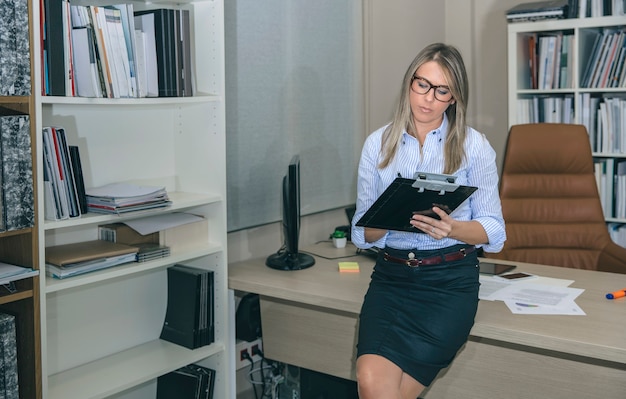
{"points": [[189, 318]]}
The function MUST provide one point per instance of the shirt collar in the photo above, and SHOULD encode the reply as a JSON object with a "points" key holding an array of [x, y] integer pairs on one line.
{"points": [[442, 129]]}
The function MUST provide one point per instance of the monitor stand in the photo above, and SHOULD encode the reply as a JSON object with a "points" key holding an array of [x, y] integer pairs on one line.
{"points": [[289, 261]]}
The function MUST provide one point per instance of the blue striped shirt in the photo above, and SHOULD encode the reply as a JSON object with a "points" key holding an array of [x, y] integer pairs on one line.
{"points": [[477, 169]]}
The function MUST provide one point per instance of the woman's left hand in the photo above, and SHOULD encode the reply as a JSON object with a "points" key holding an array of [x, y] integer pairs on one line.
{"points": [[437, 229]]}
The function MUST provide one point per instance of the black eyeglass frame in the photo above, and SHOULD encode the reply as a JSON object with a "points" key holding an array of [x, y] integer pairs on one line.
{"points": [[432, 86]]}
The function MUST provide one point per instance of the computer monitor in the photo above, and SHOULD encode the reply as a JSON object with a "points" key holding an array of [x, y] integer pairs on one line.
{"points": [[288, 257]]}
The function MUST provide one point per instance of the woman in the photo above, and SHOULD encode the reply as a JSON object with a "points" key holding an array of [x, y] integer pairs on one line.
{"points": [[422, 299]]}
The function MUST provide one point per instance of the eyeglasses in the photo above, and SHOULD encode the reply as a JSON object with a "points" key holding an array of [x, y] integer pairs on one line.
{"points": [[422, 86]]}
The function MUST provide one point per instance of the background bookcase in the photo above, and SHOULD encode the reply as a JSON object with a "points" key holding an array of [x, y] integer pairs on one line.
{"points": [[20, 247], [583, 31], [100, 331]]}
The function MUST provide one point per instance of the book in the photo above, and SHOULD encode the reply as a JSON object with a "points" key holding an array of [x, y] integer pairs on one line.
{"points": [[69, 260], [85, 64], [67, 255], [54, 48], [67, 171], [185, 63], [189, 318], [56, 198], [119, 52], [538, 10], [79, 268], [150, 251], [105, 57], [401, 200], [147, 54], [68, 73], [79, 180], [165, 42], [128, 30]]}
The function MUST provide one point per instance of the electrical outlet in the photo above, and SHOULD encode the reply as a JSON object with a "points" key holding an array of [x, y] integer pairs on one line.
{"points": [[251, 348]]}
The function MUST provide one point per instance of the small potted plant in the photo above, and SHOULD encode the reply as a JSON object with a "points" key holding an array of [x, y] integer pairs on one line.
{"points": [[339, 239]]}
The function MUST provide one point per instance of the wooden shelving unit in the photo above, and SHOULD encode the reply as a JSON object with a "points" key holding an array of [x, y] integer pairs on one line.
{"points": [[100, 331]]}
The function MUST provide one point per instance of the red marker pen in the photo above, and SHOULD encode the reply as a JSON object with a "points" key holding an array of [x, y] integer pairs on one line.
{"points": [[616, 294]]}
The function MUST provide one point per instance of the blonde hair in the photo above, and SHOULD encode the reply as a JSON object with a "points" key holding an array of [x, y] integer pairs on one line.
{"points": [[451, 61]]}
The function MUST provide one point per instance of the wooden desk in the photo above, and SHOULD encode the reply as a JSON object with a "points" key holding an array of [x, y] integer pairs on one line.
{"points": [[309, 319]]}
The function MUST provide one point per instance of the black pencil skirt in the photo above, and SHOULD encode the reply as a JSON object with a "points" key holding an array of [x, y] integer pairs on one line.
{"points": [[419, 317]]}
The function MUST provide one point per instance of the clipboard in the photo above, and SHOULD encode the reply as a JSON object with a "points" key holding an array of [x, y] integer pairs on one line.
{"points": [[404, 197]]}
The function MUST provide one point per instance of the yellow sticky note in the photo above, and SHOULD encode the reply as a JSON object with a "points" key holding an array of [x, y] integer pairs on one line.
{"points": [[349, 267]]}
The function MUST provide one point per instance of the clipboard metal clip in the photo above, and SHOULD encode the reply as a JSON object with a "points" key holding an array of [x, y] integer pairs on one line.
{"points": [[434, 182]]}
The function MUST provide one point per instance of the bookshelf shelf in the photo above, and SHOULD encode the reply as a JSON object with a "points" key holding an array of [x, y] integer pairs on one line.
{"points": [[101, 329], [135, 102], [18, 296], [129, 269], [180, 202], [126, 369], [584, 99]]}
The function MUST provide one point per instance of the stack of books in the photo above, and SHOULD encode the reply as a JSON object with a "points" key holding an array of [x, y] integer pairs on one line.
{"points": [[64, 187], [539, 10], [83, 257], [606, 66], [151, 251], [125, 197], [189, 318]]}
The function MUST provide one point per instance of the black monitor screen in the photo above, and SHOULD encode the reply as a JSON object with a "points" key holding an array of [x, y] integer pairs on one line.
{"points": [[288, 257]]}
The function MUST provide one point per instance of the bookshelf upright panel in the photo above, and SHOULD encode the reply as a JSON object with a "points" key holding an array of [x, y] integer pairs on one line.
{"points": [[19, 244], [582, 100], [100, 330]]}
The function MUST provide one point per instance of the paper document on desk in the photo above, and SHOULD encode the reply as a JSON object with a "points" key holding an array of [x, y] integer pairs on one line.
{"points": [[490, 286], [530, 298]]}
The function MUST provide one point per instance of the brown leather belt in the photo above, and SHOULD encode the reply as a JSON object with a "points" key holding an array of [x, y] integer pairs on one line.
{"points": [[431, 260]]}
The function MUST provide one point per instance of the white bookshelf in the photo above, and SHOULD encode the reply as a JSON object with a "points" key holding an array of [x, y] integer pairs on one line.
{"points": [[583, 31], [100, 331]]}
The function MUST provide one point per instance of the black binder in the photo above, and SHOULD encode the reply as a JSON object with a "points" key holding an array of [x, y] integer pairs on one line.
{"points": [[164, 24], [189, 319], [405, 197], [189, 382]]}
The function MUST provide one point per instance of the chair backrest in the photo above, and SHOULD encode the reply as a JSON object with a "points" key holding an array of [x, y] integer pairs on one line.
{"points": [[550, 199]]}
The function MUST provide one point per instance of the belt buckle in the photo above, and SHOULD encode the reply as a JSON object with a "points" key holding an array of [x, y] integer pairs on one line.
{"points": [[462, 251], [411, 259]]}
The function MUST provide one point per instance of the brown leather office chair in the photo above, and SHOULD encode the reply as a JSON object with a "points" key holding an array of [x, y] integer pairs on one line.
{"points": [[550, 201]]}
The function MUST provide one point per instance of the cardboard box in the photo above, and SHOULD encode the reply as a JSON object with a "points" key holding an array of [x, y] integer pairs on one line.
{"points": [[178, 238], [123, 234]]}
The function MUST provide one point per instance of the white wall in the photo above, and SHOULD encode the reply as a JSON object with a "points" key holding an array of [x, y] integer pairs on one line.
{"points": [[395, 30], [479, 29]]}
